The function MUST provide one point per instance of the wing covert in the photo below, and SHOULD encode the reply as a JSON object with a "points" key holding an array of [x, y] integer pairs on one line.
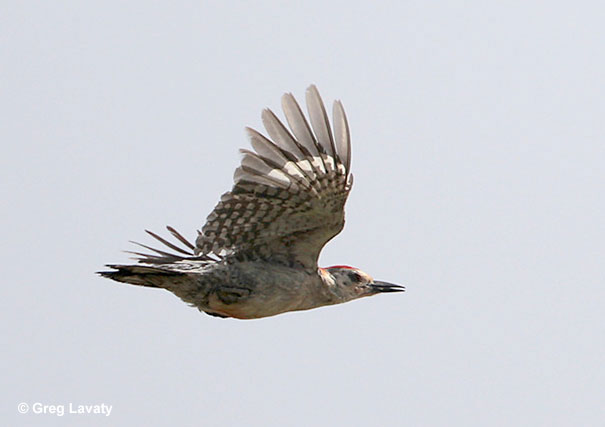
{"points": [[289, 193]]}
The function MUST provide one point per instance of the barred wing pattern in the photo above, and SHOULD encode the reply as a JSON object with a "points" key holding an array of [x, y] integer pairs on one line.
{"points": [[289, 194]]}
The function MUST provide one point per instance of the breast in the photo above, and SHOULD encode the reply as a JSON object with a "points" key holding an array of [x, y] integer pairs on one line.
{"points": [[259, 290]]}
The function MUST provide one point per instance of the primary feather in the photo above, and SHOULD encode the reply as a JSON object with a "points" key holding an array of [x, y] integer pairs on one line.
{"points": [[289, 194]]}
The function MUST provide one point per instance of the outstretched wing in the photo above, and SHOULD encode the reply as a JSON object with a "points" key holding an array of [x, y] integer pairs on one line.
{"points": [[289, 194]]}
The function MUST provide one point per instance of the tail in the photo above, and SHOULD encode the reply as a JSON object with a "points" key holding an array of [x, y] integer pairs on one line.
{"points": [[157, 271], [152, 277]]}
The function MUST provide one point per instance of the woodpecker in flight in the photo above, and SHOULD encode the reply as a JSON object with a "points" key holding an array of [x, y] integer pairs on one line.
{"points": [[256, 256]]}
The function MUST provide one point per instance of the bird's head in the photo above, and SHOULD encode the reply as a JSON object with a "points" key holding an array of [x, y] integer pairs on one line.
{"points": [[349, 283]]}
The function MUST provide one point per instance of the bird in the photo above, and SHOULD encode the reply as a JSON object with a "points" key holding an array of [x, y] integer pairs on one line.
{"points": [[257, 254]]}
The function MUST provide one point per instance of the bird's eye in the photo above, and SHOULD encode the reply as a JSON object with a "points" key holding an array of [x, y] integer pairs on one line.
{"points": [[355, 276]]}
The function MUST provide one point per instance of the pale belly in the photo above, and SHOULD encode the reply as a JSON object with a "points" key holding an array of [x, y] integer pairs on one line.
{"points": [[265, 290]]}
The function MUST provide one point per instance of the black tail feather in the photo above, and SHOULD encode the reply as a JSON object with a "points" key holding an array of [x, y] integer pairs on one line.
{"points": [[157, 269], [138, 275]]}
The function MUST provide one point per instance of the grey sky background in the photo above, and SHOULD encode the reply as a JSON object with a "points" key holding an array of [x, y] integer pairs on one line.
{"points": [[478, 149]]}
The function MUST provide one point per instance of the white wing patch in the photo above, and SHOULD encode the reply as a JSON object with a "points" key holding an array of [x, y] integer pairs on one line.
{"points": [[289, 193]]}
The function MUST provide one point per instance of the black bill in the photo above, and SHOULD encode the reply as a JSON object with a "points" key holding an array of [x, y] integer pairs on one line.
{"points": [[378, 286]]}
